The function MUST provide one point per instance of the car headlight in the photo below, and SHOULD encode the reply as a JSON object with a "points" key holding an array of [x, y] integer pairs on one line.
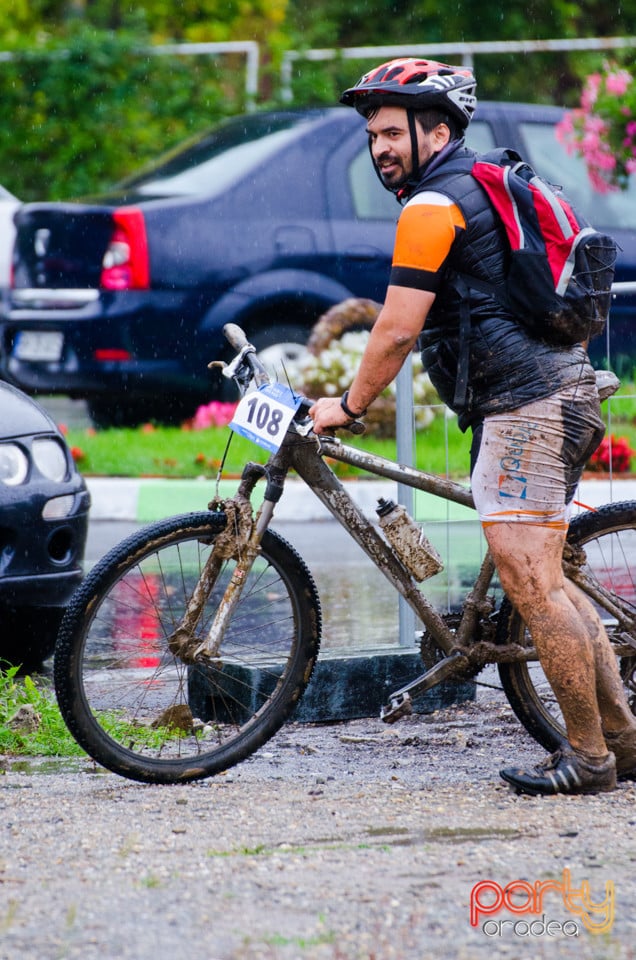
{"points": [[49, 458], [14, 465]]}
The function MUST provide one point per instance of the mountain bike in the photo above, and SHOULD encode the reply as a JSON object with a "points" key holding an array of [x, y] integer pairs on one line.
{"points": [[190, 643]]}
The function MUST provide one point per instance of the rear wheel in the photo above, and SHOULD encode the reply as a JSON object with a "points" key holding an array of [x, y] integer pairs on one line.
{"points": [[608, 537], [138, 709]]}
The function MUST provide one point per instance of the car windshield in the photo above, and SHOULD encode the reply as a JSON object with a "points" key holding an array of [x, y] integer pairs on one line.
{"points": [[211, 164], [552, 161]]}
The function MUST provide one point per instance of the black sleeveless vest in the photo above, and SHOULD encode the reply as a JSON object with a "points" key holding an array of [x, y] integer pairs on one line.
{"points": [[498, 365]]}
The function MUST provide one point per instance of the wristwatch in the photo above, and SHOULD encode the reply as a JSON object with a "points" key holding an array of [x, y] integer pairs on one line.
{"points": [[344, 404]]}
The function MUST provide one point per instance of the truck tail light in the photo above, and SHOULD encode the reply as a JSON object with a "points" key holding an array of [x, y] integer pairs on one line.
{"points": [[125, 264]]}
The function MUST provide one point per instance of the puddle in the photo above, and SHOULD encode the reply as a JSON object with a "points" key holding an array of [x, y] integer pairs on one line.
{"points": [[44, 766], [403, 837], [387, 831], [360, 607]]}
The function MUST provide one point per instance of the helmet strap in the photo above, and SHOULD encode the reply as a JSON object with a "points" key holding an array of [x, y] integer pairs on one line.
{"points": [[415, 150]]}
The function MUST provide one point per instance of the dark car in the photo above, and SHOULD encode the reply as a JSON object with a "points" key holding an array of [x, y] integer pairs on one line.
{"points": [[44, 509], [266, 221]]}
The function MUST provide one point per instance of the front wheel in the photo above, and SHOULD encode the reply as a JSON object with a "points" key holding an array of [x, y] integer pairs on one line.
{"points": [[608, 538], [133, 705]]}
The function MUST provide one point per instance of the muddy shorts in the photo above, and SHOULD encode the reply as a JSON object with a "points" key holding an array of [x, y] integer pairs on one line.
{"points": [[528, 462]]}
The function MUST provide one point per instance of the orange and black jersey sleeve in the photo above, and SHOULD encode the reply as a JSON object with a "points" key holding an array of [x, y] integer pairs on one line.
{"points": [[426, 230]]}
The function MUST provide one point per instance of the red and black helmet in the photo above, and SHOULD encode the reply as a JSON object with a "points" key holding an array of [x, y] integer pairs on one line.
{"points": [[418, 85]]}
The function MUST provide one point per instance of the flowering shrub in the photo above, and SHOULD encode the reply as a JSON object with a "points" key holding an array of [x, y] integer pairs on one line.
{"points": [[614, 454], [330, 372], [603, 129], [215, 414]]}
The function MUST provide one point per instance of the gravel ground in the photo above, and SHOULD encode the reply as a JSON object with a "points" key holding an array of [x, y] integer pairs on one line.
{"points": [[352, 840]]}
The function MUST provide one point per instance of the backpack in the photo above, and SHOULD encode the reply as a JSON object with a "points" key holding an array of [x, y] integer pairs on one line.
{"points": [[560, 273], [561, 269]]}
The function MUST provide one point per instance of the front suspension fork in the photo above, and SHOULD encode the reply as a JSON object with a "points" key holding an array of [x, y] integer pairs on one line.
{"points": [[240, 541], [211, 645]]}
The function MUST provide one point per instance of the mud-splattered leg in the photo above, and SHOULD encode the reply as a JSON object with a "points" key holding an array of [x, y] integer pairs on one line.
{"points": [[528, 558]]}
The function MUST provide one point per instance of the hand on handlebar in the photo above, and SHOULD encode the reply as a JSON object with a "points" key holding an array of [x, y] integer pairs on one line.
{"points": [[328, 414]]}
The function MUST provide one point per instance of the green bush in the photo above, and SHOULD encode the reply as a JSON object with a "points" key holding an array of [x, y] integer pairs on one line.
{"points": [[94, 107]]}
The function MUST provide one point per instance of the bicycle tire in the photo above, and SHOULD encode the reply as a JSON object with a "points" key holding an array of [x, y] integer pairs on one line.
{"points": [[609, 538], [144, 714]]}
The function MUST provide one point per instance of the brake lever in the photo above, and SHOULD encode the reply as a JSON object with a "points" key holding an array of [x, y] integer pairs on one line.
{"points": [[230, 369]]}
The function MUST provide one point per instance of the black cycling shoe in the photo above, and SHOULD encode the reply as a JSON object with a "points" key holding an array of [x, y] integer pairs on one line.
{"points": [[563, 772]]}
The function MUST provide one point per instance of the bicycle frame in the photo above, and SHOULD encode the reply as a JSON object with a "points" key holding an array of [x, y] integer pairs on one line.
{"points": [[467, 648], [305, 455]]}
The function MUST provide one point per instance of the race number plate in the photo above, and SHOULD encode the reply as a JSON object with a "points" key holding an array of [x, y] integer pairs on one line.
{"points": [[264, 415]]}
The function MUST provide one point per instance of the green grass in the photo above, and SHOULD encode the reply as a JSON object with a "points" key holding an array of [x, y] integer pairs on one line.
{"points": [[51, 737], [174, 452]]}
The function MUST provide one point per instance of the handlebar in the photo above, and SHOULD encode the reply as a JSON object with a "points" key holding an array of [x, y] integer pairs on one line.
{"points": [[246, 358], [235, 336], [245, 366]]}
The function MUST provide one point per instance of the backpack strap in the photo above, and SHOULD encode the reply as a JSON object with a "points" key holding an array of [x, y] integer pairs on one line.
{"points": [[463, 361], [496, 290], [501, 156], [463, 282]]}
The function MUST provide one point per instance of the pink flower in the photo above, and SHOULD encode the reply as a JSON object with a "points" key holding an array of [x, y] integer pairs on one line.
{"points": [[603, 129], [590, 92], [617, 83], [215, 414]]}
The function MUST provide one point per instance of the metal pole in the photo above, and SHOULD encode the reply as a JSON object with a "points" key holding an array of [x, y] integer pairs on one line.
{"points": [[405, 441], [249, 47]]}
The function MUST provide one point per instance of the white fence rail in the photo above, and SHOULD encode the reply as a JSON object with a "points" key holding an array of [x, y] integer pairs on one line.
{"points": [[249, 48], [466, 51]]}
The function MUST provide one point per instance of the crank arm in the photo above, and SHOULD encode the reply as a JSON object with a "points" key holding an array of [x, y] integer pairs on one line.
{"points": [[400, 702]]}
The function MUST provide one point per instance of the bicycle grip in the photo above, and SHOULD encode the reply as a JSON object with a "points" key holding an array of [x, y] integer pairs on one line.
{"points": [[235, 336], [356, 427]]}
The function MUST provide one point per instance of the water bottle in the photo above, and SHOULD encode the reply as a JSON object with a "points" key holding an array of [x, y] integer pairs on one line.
{"points": [[416, 552]]}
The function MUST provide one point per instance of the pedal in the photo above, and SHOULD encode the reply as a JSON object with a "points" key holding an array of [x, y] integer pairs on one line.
{"points": [[400, 706]]}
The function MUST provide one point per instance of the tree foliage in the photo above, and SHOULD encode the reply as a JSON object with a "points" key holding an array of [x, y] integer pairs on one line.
{"points": [[548, 77], [86, 113], [84, 104]]}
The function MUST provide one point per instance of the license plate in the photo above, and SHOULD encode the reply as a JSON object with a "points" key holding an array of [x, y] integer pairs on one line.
{"points": [[43, 346]]}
